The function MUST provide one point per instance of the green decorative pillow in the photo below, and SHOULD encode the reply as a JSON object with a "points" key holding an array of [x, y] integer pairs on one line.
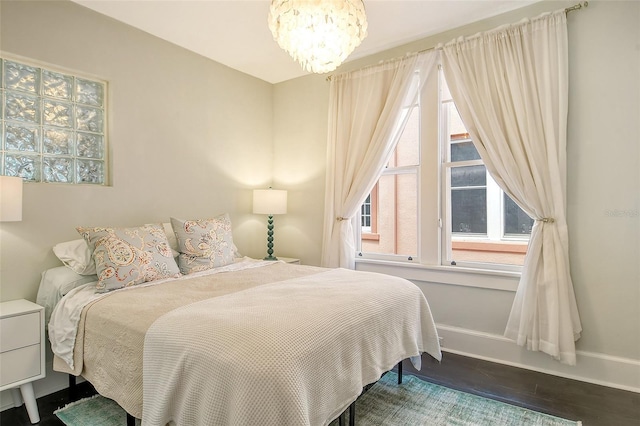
{"points": [[130, 256], [204, 244]]}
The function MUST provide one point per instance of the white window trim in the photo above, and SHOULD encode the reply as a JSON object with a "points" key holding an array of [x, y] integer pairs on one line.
{"points": [[440, 274], [428, 265]]}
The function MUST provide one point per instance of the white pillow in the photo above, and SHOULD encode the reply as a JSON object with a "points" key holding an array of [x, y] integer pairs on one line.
{"points": [[77, 256], [171, 237], [55, 283]]}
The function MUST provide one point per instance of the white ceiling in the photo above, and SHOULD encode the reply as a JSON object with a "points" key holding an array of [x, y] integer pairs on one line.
{"points": [[235, 32]]}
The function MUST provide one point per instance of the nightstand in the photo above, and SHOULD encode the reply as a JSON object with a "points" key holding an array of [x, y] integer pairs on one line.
{"points": [[290, 260], [22, 350]]}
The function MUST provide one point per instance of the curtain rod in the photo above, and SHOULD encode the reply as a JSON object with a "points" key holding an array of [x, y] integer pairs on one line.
{"points": [[577, 6]]}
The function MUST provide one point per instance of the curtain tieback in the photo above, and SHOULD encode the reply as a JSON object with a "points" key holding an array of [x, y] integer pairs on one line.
{"points": [[340, 218], [546, 220]]}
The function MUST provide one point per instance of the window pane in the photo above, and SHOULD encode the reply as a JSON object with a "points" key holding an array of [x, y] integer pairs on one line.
{"points": [[457, 128], [397, 219], [463, 151], [469, 211], [407, 151], [462, 148], [516, 221], [468, 176], [365, 214]]}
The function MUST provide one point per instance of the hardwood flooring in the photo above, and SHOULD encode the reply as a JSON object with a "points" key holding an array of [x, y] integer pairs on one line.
{"points": [[594, 405]]}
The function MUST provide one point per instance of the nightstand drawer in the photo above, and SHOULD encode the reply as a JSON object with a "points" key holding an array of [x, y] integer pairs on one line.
{"points": [[19, 331], [19, 364]]}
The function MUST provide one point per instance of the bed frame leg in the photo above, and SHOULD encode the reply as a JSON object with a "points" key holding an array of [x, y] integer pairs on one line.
{"points": [[131, 421], [72, 388], [400, 373]]}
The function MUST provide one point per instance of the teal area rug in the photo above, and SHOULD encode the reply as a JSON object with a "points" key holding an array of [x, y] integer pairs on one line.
{"points": [[93, 411], [415, 402]]}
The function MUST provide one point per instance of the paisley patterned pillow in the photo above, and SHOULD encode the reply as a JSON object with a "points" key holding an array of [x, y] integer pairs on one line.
{"points": [[204, 243], [130, 256]]}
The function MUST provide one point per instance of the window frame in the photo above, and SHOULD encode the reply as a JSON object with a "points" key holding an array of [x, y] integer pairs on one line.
{"points": [[433, 233]]}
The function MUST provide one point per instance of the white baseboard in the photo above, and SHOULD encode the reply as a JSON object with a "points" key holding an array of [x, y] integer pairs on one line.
{"points": [[600, 369]]}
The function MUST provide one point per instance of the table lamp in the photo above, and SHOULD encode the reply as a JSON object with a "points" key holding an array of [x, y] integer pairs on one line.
{"points": [[10, 199], [269, 202]]}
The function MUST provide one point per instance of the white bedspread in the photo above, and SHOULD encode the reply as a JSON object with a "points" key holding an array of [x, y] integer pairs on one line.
{"points": [[295, 352]]}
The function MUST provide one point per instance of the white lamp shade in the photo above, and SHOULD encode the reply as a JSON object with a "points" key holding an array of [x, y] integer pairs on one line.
{"points": [[10, 199], [269, 201]]}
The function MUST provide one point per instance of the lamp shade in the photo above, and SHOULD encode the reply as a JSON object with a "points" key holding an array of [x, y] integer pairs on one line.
{"points": [[10, 199], [269, 201]]}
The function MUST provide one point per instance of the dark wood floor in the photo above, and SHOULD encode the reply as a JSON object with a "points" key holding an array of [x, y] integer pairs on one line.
{"points": [[592, 404]]}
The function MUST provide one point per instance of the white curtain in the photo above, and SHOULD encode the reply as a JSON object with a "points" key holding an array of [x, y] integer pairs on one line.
{"points": [[365, 122], [511, 88]]}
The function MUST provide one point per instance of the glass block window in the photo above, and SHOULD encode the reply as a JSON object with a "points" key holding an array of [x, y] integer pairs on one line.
{"points": [[52, 125]]}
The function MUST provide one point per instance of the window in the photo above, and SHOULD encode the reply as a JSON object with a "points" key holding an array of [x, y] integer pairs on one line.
{"points": [[369, 216], [365, 215], [52, 125], [437, 204], [393, 201]]}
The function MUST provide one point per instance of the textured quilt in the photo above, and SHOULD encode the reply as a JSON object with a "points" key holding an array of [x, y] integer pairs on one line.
{"points": [[290, 341], [294, 352], [110, 332]]}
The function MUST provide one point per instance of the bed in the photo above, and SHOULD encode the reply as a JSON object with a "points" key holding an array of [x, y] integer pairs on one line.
{"points": [[247, 342]]}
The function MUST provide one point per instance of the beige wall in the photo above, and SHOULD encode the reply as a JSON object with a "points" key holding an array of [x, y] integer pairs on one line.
{"points": [[188, 137], [299, 139], [603, 176]]}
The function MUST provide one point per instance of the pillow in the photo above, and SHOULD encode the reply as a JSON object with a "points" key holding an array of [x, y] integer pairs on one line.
{"points": [[55, 283], [204, 244], [171, 237], [130, 256], [77, 256]]}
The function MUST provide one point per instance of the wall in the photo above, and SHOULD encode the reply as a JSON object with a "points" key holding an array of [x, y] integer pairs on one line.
{"points": [[299, 135], [179, 143], [188, 138], [603, 194]]}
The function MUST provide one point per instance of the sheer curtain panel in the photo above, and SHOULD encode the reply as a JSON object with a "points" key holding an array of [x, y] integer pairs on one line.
{"points": [[511, 88], [365, 121]]}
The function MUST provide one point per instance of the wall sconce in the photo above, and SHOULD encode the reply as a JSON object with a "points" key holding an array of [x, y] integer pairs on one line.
{"points": [[270, 202], [10, 199]]}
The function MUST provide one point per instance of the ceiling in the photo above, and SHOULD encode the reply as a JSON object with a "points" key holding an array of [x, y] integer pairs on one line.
{"points": [[235, 32]]}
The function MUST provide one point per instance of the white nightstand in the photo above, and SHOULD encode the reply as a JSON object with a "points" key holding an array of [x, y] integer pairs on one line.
{"points": [[290, 260], [22, 350]]}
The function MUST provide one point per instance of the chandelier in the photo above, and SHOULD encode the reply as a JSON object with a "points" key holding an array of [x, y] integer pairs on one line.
{"points": [[318, 34]]}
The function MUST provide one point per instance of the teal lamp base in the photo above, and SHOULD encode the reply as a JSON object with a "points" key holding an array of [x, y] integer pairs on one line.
{"points": [[270, 255]]}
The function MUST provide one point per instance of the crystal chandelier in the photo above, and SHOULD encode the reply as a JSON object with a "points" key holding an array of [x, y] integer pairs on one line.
{"points": [[318, 34]]}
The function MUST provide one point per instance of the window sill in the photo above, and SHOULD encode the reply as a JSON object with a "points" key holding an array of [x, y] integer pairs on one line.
{"points": [[371, 236], [451, 275]]}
